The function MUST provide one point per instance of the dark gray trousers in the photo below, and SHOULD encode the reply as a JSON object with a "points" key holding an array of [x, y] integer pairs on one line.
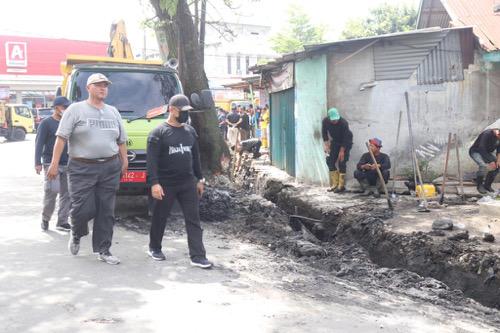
{"points": [[49, 197], [92, 188], [187, 197]]}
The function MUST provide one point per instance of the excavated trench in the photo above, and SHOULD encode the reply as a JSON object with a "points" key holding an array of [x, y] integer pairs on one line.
{"points": [[354, 242]]}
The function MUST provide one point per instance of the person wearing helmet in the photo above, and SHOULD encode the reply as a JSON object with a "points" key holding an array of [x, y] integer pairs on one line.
{"points": [[337, 143]]}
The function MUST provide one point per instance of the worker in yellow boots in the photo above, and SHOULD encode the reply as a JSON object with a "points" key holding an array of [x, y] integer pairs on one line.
{"points": [[337, 143]]}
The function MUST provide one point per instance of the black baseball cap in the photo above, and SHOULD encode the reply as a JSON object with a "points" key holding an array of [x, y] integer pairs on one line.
{"points": [[61, 100], [181, 102]]}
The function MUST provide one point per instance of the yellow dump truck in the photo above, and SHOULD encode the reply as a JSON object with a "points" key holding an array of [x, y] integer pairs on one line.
{"points": [[16, 120]]}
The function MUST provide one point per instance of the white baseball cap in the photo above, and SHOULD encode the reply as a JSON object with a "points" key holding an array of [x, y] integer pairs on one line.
{"points": [[96, 78]]}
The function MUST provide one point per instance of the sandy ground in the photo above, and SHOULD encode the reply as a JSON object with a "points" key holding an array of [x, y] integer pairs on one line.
{"points": [[251, 289]]}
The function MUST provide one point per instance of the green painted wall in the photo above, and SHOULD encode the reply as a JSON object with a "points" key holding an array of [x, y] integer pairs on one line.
{"points": [[310, 109]]}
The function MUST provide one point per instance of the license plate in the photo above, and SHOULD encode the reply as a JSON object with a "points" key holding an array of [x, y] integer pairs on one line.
{"points": [[133, 177]]}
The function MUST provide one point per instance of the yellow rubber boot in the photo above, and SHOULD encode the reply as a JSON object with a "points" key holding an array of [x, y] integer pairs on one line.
{"points": [[334, 181], [341, 186]]}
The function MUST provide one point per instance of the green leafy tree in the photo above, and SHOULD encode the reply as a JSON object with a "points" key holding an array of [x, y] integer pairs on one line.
{"points": [[299, 32], [383, 19]]}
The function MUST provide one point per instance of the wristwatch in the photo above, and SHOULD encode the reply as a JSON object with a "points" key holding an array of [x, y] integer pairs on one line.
{"points": [[201, 180]]}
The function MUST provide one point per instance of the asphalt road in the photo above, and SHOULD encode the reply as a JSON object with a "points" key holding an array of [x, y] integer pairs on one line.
{"points": [[43, 288]]}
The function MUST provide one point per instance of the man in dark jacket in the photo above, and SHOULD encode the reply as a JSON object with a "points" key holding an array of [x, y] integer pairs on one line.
{"points": [[174, 170], [366, 172], [44, 144], [482, 153], [337, 140]]}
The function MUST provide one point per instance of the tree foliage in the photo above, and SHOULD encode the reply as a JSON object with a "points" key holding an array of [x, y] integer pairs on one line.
{"points": [[299, 32], [381, 20]]}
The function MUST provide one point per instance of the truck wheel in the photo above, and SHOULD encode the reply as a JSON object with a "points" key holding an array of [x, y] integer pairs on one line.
{"points": [[18, 134]]}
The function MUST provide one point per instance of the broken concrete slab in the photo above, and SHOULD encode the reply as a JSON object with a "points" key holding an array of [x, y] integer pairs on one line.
{"points": [[461, 235], [490, 208], [442, 224], [489, 238]]}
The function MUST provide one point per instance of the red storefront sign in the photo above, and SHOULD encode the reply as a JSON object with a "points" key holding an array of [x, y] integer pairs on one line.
{"points": [[42, 56]]}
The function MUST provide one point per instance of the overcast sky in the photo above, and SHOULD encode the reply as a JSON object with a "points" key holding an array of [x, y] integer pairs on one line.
{"points": [[91, 19]]}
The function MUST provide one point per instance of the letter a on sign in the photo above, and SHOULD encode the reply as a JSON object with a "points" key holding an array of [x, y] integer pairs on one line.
{"points": [[16, 54]]}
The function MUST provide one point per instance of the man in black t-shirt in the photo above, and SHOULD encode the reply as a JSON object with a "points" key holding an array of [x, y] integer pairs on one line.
{"points": [[337, 140], [366, 172], [481, 152], [244, 125], [174, 171]]}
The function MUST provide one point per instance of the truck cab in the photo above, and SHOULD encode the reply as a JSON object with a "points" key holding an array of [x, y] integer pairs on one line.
{"points": [[140, 90], [16, 120]]}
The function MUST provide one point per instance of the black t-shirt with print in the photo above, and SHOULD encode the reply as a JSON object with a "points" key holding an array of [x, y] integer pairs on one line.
{"points": [[173, 156]]}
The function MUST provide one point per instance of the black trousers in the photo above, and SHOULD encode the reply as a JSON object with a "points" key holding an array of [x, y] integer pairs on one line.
{"points": [[332, 158], [187, 197], [371, 176], [92, 189]]}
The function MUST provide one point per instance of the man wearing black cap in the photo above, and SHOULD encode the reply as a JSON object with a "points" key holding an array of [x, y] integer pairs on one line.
{"points": [[44, 144], [366, 172], [174, 171]]}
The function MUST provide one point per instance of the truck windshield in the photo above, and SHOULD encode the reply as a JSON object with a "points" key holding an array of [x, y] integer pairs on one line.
{"points": [[132, 93]]}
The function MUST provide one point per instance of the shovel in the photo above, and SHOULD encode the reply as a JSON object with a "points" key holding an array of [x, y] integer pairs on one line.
{"points": [[445, 173], [394, 197]]}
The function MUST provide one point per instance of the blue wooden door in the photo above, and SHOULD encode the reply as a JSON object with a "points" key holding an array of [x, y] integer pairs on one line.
{"points": [[283, 130]]}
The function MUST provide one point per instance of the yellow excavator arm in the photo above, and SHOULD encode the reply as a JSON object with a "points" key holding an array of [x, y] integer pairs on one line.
{"points": [[119, 46]]}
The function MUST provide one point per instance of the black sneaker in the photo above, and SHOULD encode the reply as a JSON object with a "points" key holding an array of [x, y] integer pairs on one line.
{"points": [[45, 225], [201, 262], [156, 254], [73, 244], [64, 227]]}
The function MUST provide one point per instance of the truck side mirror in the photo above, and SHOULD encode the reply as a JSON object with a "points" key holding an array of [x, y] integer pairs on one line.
{"points": [[58, 91], [203, 101], [196, 101]]}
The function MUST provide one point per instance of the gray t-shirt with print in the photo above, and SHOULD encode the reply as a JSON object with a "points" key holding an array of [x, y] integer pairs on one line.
{"points": [[92, 132]]}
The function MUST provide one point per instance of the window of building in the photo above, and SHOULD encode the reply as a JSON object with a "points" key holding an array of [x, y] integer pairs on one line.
{"points": [[247, 64], [229, 64], [238, 64]]}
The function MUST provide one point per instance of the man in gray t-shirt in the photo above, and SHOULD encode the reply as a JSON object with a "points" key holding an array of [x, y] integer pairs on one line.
{"points": [[97, 156]]}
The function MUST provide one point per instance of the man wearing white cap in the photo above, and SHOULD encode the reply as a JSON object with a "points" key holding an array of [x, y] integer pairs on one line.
{"points": [[97, 156]]}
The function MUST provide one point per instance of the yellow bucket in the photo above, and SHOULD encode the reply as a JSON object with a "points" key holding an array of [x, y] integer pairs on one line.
{"points": [[428, 189]]}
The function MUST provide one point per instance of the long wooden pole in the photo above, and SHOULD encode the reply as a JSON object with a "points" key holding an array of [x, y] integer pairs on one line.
{"points": [[445, 172], [460, 177], [397, 146], [414, 154]]}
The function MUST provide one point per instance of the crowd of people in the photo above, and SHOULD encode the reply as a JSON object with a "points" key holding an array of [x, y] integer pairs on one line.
{"points": [[245, 123]]}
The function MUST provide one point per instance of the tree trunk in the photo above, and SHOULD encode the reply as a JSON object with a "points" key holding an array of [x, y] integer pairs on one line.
{"points": [[203, 23], [183, 33]]}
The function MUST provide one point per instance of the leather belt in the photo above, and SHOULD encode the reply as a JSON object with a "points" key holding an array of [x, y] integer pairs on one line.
{"points": [[94, 160]]}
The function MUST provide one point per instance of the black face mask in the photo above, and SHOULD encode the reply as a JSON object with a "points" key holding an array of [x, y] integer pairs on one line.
{"points": [[183, 116]]}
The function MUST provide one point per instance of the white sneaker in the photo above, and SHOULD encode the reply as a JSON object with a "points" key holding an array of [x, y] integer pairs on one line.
{"points": [[108, 258]]}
